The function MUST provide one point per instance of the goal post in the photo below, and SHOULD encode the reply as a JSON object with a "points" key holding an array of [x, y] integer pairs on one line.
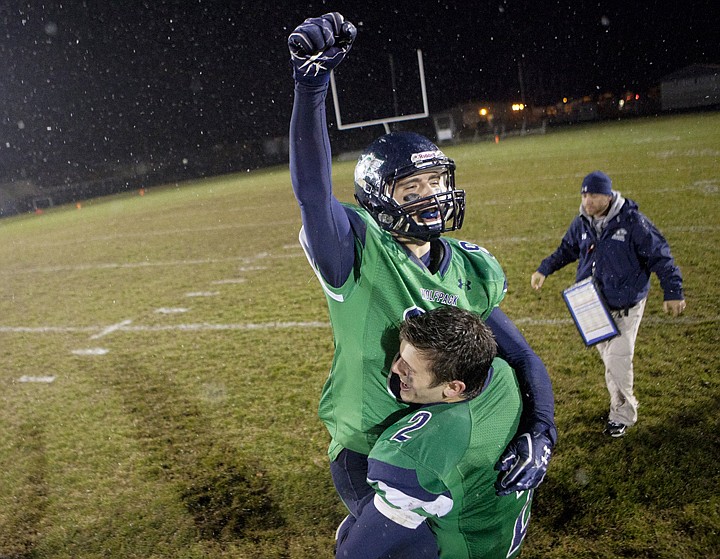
{"points": [[387, 120]]}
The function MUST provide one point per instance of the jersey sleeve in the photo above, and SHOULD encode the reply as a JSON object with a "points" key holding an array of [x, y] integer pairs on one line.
{"points": [[487, 270], [538, 413], [567, 252], [655, 250], [400, 497], [496, 280], [328, 232]]}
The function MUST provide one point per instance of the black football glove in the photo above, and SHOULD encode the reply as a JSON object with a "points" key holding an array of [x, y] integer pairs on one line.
{"points": [[524, 463], [319, 44]]}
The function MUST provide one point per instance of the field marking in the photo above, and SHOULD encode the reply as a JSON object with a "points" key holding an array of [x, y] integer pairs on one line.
{"points": [[167, 263], [167, 310], [693, 229], [46, 380], [653, 139], [228, 281], [162, 232], [527, 321], [110, 329], [691, 152], [48, 329], [202, 294], [160, 328], [90, 351], [205, 326]]}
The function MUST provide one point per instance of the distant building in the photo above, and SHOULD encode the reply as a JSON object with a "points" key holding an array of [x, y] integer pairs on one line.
{"points": [[695, 86], [445, 128], [21, 196]]}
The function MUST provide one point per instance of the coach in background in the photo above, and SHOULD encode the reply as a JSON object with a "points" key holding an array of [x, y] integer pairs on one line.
{"points": [[435, 466], [617, 245]]}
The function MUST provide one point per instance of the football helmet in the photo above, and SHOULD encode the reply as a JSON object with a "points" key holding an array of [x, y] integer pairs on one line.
{"points": [[398, 155]]}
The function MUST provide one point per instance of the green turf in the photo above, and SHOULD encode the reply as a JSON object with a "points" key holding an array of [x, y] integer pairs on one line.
{"points": [[196, 436]]}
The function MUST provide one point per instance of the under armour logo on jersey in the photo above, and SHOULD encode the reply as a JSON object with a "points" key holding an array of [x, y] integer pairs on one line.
{"points": [[467, 284]]}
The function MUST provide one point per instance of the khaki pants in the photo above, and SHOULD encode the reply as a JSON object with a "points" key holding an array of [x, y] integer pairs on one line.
{"points": [[617, 355]]}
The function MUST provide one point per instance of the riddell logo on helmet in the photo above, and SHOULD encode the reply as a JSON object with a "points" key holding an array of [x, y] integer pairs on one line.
{"points": [[426, 155]]}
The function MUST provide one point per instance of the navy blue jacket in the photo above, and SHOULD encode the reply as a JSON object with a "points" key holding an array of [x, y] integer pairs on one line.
{"points": [[621, 258]]}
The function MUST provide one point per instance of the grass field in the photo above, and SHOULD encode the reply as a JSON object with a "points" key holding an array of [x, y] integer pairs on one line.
{"points": [[187, 342]]}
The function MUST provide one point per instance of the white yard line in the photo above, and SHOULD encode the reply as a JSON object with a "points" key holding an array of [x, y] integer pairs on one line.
{"points": [[250, 260], [204, 326], [48, 329], [90, 351], [46, 380], [159, 233]]}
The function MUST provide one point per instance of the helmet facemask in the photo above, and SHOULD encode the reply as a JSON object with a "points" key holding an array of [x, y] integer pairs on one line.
{"points": [[392, 159], [424, 217]]}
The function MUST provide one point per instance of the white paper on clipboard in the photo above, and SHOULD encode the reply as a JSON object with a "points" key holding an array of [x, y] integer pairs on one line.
{"points": [[591, 316]]}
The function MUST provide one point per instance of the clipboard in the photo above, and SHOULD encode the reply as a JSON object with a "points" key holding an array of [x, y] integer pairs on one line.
{"points": [[590, 314]]}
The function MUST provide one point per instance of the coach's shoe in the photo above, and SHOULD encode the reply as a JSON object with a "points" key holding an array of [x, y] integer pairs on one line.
{"points": [[615, 430]]}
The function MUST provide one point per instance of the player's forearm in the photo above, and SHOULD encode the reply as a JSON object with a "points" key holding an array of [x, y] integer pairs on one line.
{"points": [[327, 228], [533, 378], [538, 401], [310, 157]]}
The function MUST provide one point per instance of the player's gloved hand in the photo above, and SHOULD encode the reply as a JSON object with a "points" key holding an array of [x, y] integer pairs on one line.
{"points": [[524, 463], [319, 44]]}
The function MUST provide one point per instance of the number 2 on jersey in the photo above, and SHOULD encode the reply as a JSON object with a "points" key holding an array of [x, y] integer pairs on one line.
{"points": [[417, 421]]}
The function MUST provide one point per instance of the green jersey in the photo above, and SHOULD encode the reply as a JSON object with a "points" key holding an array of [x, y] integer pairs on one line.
{"points": [[386, 285], [436, 465]]}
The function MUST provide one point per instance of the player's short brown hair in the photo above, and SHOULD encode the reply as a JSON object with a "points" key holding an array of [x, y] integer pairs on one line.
{"points": [[458, 344]]}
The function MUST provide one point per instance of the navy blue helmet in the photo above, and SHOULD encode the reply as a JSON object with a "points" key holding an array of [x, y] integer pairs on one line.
{"points": [[396, 156]]}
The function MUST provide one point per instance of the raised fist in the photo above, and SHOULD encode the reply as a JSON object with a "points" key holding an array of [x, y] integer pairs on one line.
{"points": [[319, 44]]}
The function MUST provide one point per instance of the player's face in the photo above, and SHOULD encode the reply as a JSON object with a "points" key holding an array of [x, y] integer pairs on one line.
{"points": [[415, 377], [420, 185], [596, 205]]}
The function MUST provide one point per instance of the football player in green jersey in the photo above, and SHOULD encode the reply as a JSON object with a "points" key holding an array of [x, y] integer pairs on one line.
{"points": [[435, 466], [387, 259]]}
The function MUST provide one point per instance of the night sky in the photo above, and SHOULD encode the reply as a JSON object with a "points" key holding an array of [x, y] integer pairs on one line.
{"points": [[90, 87]]}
